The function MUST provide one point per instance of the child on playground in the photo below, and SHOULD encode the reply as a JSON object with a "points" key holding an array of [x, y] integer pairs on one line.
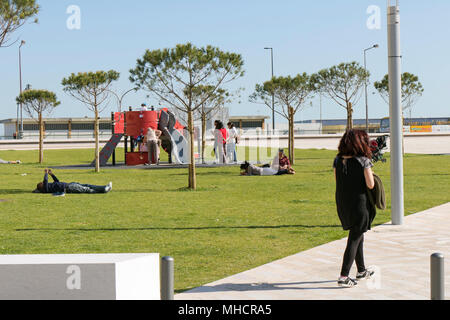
{"points": [[153, 143]]}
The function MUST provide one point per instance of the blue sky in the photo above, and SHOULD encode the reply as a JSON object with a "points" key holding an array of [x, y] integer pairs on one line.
{"points": [[306, 36]]}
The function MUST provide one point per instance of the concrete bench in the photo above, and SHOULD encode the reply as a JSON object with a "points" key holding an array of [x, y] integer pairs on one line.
{"points": [[80, 277]]}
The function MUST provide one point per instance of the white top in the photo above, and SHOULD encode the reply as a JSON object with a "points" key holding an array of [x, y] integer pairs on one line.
{"points": [[151, 135], [233, 134]]}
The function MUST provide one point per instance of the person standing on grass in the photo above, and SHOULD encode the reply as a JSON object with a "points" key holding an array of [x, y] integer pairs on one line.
{"points": [[233, 140], [220, 138], [353, 174], [153, 145]]}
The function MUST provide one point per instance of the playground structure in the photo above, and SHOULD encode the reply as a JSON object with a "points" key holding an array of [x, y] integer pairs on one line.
{"points": [[133, 125]]}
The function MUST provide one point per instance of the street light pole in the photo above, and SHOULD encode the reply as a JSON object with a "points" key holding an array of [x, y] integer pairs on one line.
{"points": [[273, 96], [365, 84], [20, 76], [120, 99], [396, 118]]}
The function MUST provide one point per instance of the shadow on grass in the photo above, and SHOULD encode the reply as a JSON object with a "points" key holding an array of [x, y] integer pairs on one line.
{"points": [[312, 285], [14, 191], [183, 189], [177, 228], [199, 173]]}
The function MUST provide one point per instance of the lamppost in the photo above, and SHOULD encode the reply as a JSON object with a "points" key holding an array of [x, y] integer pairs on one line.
{"points": [[120, 99], [365, 84], [20, 76], [273, 96], [395, 106]]}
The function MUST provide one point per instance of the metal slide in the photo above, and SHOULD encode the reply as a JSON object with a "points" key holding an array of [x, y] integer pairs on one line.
{"points": [[108, 150], [180, 147]]}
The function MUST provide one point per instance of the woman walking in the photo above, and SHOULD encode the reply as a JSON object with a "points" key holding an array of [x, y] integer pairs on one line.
{"points": [[353, 173]]}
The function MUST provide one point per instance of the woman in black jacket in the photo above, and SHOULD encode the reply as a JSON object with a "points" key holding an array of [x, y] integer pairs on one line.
{"points": [[353, 173]]}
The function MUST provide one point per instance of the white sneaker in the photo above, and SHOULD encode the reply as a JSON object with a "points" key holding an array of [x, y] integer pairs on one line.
{"points": [[108, 188], [346, 282], [364, 275]]}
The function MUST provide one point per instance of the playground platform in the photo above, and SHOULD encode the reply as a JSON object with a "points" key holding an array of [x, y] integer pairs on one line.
{"points": [[399, 254]]}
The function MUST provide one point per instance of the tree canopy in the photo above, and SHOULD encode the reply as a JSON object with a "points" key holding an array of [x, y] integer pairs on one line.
{"points": [[175, 75], [91, 88], [342, 83], [37, 101], [289, 92], [13, 15], [412, 89], [290, 95]]}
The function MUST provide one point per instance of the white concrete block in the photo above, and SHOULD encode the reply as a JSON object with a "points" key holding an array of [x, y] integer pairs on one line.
{"points": [[80, 277]]}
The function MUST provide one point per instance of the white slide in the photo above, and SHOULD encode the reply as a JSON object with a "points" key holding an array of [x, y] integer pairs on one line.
{"points": [[180, 147]]}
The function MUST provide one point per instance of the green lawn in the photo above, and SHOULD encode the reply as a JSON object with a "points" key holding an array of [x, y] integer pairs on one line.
{"points": [[231, 224]]}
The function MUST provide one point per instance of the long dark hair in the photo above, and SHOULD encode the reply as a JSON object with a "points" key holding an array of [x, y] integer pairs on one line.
{"points": [[219, 125], [245, 165], [355, 143]]}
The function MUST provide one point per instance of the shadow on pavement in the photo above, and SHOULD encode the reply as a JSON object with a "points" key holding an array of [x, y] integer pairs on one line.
{"points": [[310, 285]]}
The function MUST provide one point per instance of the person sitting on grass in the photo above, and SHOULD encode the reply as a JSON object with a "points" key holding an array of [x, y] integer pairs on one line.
{"points": [[58, 187], [10, 162], [284, 164]]}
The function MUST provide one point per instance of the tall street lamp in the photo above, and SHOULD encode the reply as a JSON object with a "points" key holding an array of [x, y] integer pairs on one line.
{"points": [[273, 96], [20, 76], [365, 84]]}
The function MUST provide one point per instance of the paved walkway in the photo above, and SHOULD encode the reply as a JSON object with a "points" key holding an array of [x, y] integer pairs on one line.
{"points": [[400, 254]]}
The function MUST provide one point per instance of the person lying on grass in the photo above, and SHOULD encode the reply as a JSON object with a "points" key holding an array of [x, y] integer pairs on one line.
{"points": [[10, 162], [248, 169], [58, 187]]}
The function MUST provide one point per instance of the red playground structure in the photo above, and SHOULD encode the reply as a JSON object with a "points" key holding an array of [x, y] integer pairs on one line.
{"points": [[134, 125]]}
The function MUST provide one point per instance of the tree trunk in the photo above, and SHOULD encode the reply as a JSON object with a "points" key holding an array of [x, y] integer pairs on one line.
{"points": [[97, 152], [203, 137], [41, 139], [291, 136], [349, 116], [192, 175]]}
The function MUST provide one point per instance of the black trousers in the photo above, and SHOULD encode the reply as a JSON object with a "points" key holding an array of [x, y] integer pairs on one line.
{"points": [[354, 253]]}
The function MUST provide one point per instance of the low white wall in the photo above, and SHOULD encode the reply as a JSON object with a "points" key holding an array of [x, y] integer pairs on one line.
{"points": [[80, 277], [421, 143]]}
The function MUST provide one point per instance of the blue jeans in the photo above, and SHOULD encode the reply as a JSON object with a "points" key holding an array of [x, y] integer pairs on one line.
{"points": [[76, 187]]}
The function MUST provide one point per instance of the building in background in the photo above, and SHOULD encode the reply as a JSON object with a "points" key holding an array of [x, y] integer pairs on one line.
{"points": [[245, 123], [57, 128]]}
